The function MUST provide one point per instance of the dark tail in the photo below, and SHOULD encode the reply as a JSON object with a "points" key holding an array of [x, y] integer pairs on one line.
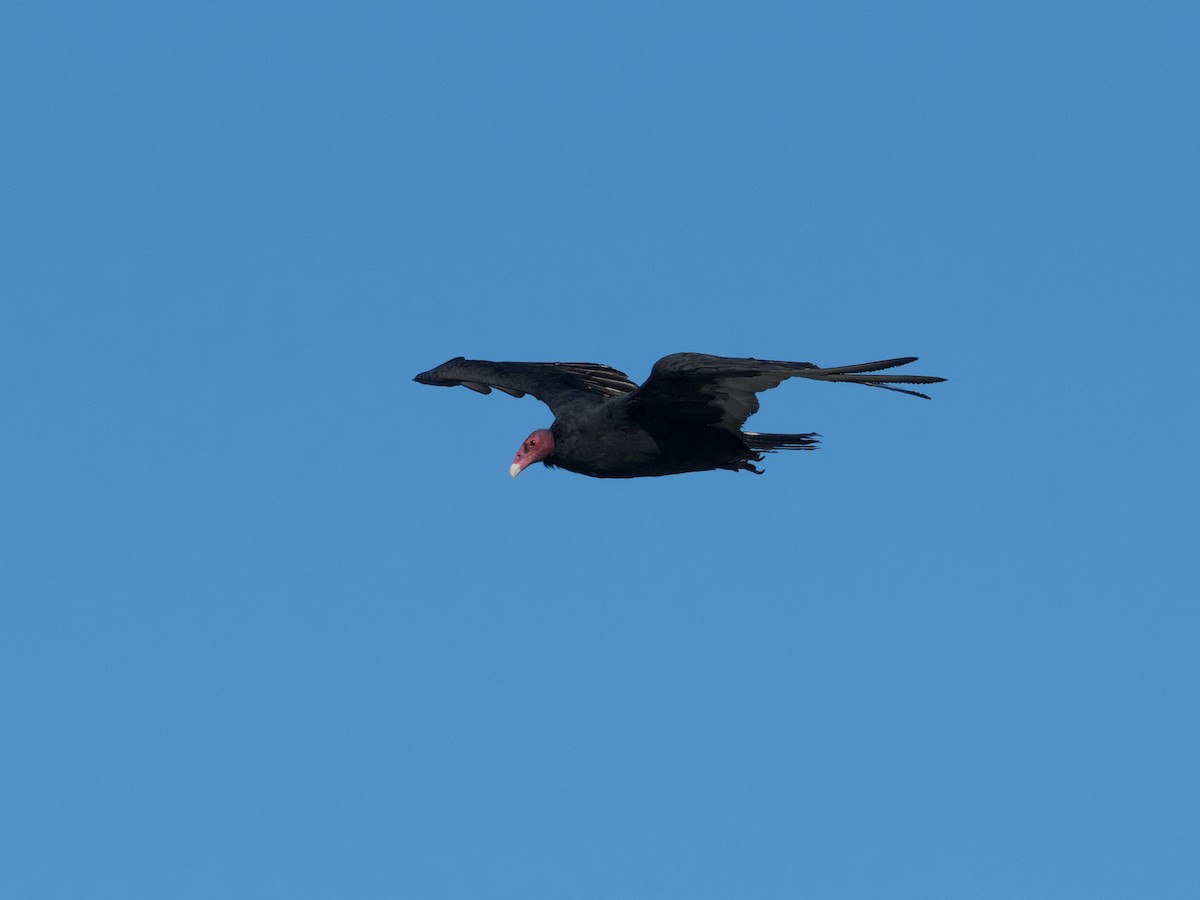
{"points": [[858, 375], [769, 443]]}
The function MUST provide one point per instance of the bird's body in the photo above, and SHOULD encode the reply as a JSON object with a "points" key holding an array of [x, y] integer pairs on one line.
{"points": [[686, 417]]}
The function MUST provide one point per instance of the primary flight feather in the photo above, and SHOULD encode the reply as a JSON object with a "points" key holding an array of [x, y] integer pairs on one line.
{"points": [[686, 417]]}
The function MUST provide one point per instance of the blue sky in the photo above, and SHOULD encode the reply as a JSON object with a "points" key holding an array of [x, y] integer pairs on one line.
{"points": [[277, 623]]}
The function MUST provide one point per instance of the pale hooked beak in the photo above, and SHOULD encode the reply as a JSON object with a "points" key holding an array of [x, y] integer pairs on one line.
{"points": [[535, 448]]}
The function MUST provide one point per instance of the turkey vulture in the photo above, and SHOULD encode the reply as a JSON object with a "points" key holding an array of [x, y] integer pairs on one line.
{"points": [[687, 417]]}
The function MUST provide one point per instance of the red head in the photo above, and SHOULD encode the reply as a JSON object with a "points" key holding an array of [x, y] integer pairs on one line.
{"points": [[537, 447]]}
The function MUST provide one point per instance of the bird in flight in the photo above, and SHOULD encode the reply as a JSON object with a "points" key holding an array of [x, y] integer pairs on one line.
{"points": [[686, 417]]}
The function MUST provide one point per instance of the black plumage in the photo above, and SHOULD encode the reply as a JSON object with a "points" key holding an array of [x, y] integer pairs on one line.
{"points": [[686, 417]]}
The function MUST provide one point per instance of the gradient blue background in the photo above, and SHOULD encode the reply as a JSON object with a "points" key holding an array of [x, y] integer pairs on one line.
{"points": [[275, 620]]}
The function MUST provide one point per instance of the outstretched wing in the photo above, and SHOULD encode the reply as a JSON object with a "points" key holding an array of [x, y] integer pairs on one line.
{"points": [[721, 390], [556, 384]]}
